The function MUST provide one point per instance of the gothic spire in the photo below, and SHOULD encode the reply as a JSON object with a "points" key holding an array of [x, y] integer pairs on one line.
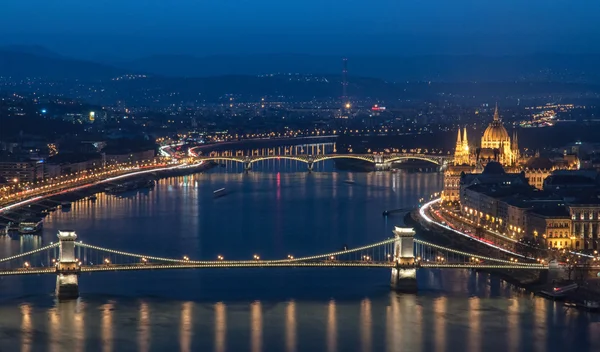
{"points": [[465, 140], [458, 140], [496, 114]]}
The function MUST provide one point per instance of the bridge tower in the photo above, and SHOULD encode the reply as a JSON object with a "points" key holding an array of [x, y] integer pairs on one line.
{"points": [[310, 161], [247, 163], [380, 163], [67, 267], [404, 273]]}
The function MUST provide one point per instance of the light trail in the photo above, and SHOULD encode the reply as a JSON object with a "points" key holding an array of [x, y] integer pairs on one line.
{"points": [[446, 227], [73, 189]]}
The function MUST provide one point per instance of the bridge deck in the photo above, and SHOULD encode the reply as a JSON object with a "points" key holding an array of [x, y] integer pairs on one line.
{"points": [[263, 264]]}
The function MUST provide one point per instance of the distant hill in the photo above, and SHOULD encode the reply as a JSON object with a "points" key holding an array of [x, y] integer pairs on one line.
{"points": [[19, 63], [33, 50], [440, 68], [35, 61]]}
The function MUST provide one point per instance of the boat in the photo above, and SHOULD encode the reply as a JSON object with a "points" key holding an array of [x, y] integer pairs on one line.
{"points": [[11, 227], [220, 193], [65, 205], [350, 182], [559, 291], [592, 306], [30, 226], [131, 186], [92, 198]]}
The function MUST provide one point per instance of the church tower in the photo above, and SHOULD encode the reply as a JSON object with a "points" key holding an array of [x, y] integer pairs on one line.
{"points": [[461, 153], [515, 148]]}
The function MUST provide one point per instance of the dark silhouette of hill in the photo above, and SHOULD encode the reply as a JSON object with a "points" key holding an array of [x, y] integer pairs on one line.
{"points": [[33, 50], [21, 64], [448, 68]]}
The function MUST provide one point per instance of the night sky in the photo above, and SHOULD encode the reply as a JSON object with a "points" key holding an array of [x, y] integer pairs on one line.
{"points": [[130, 28]]}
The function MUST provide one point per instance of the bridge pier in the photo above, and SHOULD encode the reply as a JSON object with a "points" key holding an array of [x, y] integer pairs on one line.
{"points": [[380, 163], [404, 272], [310, 163], [247, 164], [67, 267]]}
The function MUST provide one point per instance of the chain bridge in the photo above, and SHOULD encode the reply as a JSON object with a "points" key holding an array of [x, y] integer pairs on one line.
{"points": [[402, 254]]}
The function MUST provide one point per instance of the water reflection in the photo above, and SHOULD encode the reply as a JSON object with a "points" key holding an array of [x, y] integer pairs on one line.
{"points": [[326, 311], [256, 327], [290, 327], [26, 328], [54, 330], [185, 328], [107, 327], [439, 324], [366, 325], [513, 324], [474, 335], [144, 328], [331, 327], [220, 327]]}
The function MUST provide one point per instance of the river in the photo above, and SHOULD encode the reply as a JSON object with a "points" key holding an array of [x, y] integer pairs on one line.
{"points": [[275, 210]]}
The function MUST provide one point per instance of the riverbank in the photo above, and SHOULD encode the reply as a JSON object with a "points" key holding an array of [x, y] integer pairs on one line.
{"points": [[39, 206], [533, 281]]}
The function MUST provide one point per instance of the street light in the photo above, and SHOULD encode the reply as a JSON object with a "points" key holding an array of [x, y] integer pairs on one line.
{"points": [[106, 261]]}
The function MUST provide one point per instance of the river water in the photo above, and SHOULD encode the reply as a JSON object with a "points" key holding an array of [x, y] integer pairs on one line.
{"points": [[272, 214]]}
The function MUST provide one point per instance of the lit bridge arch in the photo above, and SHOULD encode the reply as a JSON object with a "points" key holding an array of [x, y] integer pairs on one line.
{"points": [[380, 161], [402, 254]]}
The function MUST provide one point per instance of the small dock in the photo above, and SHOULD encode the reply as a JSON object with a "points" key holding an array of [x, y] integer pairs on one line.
{"points": [[396, 211]]}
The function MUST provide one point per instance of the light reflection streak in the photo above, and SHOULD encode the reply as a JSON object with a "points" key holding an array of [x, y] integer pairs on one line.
{"points": [[185, 328], [79, 326], [26, 328], [393, 325], [144, 328], [366, 325], [256, 326], [220, 327], [439, 307], [331, 328], [540, 306], [107, 327], [54, 337], [474, 336], [513, 324], [290, 327]]}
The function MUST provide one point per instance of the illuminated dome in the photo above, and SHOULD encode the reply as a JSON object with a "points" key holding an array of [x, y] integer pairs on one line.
{"points": [[495, 135], [496, 132]]}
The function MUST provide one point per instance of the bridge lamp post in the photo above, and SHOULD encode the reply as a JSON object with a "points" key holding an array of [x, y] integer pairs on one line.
{"points": [[220, 257], [290, 256], [144, 260], [185, 257], [106, 261], [26, 265], [256, 257]]}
